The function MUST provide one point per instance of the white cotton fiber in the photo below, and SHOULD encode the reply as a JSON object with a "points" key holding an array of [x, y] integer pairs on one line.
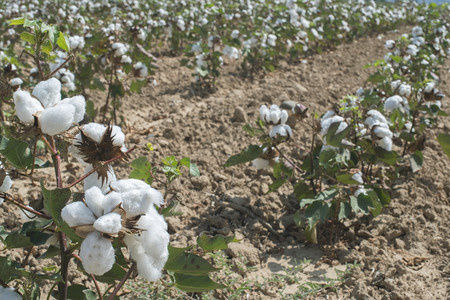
{"points": [[95, 180], [385, 143], [97, 254], [94, 200], [6, 185], [109, 223], [93, 130], [26, 106], [326, 123], [119, 137], [48, 92], [260, 163], [392, 103], [76, 214], [9, 294], [57, 119], [111, 201], [80, 107]]}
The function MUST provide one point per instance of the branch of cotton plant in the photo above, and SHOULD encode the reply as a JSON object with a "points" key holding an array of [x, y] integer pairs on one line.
{"points": [[60, 67], [288, 160], [57, 162], [122, 282], [96, 168], [9, 198], [99, 293]]}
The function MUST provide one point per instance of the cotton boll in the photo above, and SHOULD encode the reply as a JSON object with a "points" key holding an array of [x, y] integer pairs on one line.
{"points": [[97, 254], [15, 82], [392, 103], [260, 163], [48, 92], [382, 132], [326, 123], [26, 106], [80, 107], [76, 214], [125, 59], [283, 117], [385, 143], [358, 177], [281, 130], [94, 130], [119, 136], [94, 200], [95, 180], [110, 223], [146, 269], [374, 118], [6, 184], [9, 294], [263, 113], [57, 119]]}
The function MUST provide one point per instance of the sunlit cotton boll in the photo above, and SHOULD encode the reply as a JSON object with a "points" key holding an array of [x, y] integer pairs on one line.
{"points": [[358, 177], [235, 34], [97, 254], [95, 180], [57, 119], [16, 82], [26, 106], [9, 294], [271, 40], [385, 143], [283, 130], [374, 117], [141, 69], [260, 163], [48, 92], [396, 102], [119, 49], [389, 45]]}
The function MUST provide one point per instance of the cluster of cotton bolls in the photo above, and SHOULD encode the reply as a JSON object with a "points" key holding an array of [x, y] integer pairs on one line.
{"points": [[127, 212], [379, 126], [44, 107], [277, 117], [66, 77]]}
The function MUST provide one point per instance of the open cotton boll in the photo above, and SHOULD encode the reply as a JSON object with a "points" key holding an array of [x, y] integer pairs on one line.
{"points": [[76, 214], [9, 294], [15, 82], [260, 163], [94, 180], [145, 193], [80, 107], [93, 130], [374, 118], [326, 123], [57, 119], [155, 237], [110, 223], [385, 143], [97, 254], [281, 130], [358, 177], [146, 268], [392, 103], [382, 131], [26, 106], [119, 136], [263, 112], [6, 184], [94, 200], [48, 92]]}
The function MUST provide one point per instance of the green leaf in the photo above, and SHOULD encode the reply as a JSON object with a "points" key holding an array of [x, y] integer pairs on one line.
{"points": [[383, 196], [187, 263], [249, 154], [276, 184], [407, 136], [334, 139], [18, 154], [30, 23], [17, 21], [8, 269], [137, 85], [376, 78], [47, 47], [80, 292], [117, 90], [302, 190], [54, 202], [346, 179], [317, 211], [17, 240], [322, 196], [416, 161], [52, 251], [218, 242], [51, 32], [193, 168], [389, 157], [62, 42], [344, 211], [142, 169], [98, 84], [171, 210], [444, 140], [190, 283], [27, 37]]}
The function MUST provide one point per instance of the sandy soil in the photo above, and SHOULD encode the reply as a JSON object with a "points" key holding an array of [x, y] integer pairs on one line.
{"points": [[403, 253]]}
